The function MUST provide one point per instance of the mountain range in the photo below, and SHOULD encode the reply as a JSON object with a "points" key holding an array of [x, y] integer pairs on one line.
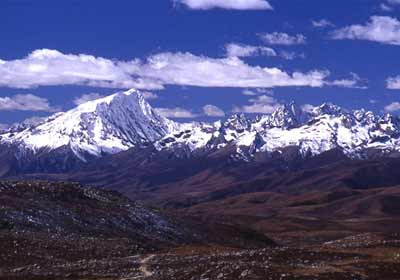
{"points": [[124, 120]]}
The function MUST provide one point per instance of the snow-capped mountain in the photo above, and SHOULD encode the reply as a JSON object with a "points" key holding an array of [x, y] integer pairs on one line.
{"points": [[124, 120], [322, 129], [103, 126]]}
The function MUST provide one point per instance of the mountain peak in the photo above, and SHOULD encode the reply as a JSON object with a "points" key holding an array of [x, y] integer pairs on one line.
{"points": [[286, 116], [103, 126], [129, 96], [237, 122], [328, 109]]}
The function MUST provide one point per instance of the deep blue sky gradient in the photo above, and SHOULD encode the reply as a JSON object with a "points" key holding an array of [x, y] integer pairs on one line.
{"points": [[128, 29]]}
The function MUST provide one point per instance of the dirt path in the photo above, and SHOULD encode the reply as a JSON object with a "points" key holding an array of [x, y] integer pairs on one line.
{"points": [[143, 266]]}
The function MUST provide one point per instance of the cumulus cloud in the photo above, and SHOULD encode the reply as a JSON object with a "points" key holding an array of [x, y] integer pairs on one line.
{"points": [[307, 108], [190, 70], [50, 68], [249, 92], [353, 82], [175, 113], [382, 29], [25, 102], [385, 7], [149, 95], [388, 6], [213, 111], [323, 23], [277, 38], [393, 82], [288, 55], [263, 104], [240, 50], [226, 4], [392, 107], [256, 91], [87, 97]]}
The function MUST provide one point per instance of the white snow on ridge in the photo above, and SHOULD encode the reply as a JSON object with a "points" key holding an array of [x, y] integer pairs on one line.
{"points": [[104, 126], [124, 120], [325, 128]]}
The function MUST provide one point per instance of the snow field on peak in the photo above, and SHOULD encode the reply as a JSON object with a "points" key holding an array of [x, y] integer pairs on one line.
{"points": [[104, 126]]}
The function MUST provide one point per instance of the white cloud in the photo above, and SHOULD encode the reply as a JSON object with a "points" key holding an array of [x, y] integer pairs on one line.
{"points": [[50, 67], [354, 82], [240, 50], [175, 113], [25, 102], [149, 95], [277, 38], [392, 107], [264, 90], [393, 82], [291, 55], [385, 7], [257, 91], [249, 92], [307, 107], [323, 23], [388, 6], [87, 97], [382, 29], [189, 70], [263, 104], [213, 111], [226, 4]]}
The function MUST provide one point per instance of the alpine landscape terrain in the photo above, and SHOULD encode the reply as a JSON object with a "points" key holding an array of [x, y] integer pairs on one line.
{"points": [[199, 140]]}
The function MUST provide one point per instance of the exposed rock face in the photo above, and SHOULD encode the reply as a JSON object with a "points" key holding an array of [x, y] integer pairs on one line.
{"points": [[66, 141], [104, 126]]}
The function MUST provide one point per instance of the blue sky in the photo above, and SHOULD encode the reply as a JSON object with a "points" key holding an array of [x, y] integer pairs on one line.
{"points": [[201, 59]]}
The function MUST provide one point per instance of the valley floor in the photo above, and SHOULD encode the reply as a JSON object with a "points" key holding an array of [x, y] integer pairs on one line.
{"points": [[365, 256]]}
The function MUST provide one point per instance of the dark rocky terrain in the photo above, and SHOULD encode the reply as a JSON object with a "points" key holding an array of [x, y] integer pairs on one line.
{"points": [[66, 231], [283, 195], [205, 217], [358, 257], [56, 230]]}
